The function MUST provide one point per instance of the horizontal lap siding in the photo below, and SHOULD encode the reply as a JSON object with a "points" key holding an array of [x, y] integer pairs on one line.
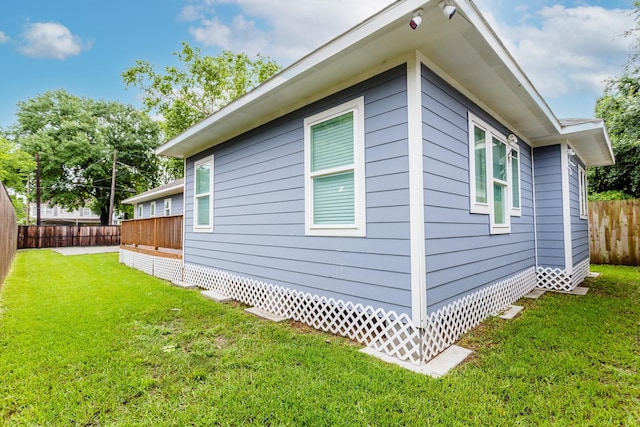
{"points": [[579, 226], [176, 206], [259, 206], [461, 255], [548, 172]]}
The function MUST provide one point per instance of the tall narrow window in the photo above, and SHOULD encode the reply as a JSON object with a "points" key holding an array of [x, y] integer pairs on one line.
{"points": [[203, 195], [152, 209], [480, 149], [167, 207], [500, 195], [514, 154], [584, 201], [140, 211], [334, 171]]}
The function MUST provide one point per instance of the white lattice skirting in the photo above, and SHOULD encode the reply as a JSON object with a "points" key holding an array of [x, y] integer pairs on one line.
{"points": [[164, 268], [558, 280], [386, 331]]}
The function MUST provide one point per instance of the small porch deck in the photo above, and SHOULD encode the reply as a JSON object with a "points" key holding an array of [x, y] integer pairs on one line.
{"points": [[159, 236]]}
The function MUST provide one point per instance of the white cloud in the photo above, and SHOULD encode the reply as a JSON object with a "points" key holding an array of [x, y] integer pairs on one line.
{"points": [[51, 40], [276, 28], [4, 38], [566, 50]]}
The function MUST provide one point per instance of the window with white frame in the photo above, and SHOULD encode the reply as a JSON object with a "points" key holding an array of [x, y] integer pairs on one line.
{"points": [[203, 195], [334, 171], [494, 165], [140, 210], [152, 209], [582, 188], [514, 158], [167, 207]]}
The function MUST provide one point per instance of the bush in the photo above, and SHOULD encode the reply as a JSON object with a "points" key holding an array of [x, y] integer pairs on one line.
{"points": [[609, 195]]}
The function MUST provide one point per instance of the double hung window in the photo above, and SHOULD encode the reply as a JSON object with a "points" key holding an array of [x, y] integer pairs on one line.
{"points": [[203, 195], [334, 171], [494, 164]]}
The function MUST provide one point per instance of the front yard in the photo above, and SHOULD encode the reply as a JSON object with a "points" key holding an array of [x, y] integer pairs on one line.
{"points": [[87, 341]]}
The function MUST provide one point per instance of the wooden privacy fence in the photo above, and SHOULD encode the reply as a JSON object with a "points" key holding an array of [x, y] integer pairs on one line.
{"points": [[56, 236], [614, 232], [8, 231], [162, 234]]}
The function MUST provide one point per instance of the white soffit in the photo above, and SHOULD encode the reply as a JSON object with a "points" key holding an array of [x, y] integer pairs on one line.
{"points": [[465, 51]]}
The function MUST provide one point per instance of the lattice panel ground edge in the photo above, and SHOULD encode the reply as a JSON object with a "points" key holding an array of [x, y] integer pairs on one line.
{"points": [[557, 279], [386, 331]]}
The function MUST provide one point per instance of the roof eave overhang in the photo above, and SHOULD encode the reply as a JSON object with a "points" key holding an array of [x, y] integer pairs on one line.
{"points": [[153, 195], [589, 140], [464, 51]]}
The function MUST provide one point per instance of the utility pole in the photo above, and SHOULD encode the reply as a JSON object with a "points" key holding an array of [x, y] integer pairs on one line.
{"points": [[113, 187], [38, 194]]}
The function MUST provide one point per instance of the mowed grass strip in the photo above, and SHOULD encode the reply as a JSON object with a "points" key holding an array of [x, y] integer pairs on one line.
{"points": [[87, 341]]}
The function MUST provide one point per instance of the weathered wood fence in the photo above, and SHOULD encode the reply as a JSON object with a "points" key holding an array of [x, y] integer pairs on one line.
{"points": [[614, 232], [8, 230], [56, 236]]}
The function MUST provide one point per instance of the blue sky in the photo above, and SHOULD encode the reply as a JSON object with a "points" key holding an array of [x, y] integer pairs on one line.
{"points": [[567, 48]]}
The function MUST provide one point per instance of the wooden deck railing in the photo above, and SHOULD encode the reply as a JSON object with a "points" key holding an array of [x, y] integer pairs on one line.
{"points": [[161, 234]]}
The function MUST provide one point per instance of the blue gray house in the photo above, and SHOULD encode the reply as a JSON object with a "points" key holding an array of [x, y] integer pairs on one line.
{"points": [[165, 200], [395, 186]]}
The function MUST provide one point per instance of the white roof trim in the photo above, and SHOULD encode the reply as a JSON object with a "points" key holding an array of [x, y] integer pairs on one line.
{"points": [[156, 193], [495, 81]]}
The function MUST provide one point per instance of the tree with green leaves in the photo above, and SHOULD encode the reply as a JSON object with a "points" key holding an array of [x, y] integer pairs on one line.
{"points": [[620, 109], [76, 139], [203, 84], [15, 167]]}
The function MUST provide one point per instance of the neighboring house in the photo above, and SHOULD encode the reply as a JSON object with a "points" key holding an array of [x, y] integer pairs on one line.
{"points": [[165, 200], [57, 215], [395, 186]]}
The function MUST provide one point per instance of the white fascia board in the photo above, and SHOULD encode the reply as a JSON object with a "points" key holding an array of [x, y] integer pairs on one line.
{"points": [[154, 194], [297, 70]]}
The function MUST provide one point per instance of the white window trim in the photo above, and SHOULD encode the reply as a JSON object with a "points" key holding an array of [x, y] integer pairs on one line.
{"points": [[357, 229], [476, 207], [583, 193], [196, 227], [506, 227], [167, 207], [152, 209], [140, 211], [488, 208], [514, 211]]}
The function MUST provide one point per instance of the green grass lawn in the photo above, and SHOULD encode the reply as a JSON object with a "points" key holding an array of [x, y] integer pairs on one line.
{"points": [[87, 341]]}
